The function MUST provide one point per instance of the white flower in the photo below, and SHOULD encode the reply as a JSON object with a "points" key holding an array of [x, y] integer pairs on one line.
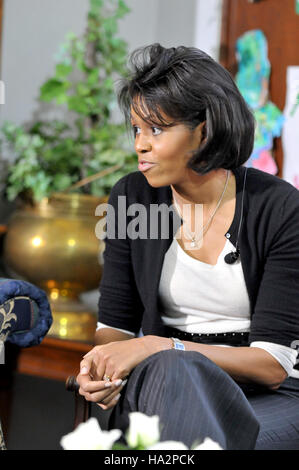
{"points": [[168, 445], [143, 430], [208, 444], [89, 436]]}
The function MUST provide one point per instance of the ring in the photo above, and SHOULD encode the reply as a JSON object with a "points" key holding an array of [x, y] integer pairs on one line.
{"points": [[107, 378]]}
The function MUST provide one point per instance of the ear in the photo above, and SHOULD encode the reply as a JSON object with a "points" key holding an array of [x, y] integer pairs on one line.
{"points": [[200, 132]]}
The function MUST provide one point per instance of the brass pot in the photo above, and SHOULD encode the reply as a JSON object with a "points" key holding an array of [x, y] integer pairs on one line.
{"points": [[53, 245]]}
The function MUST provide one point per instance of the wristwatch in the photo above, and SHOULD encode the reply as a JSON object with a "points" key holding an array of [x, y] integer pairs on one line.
{"points": [[177, 344]]}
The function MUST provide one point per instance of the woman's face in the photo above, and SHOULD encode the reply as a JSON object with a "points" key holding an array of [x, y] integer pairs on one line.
{"points": [[163, 152]]}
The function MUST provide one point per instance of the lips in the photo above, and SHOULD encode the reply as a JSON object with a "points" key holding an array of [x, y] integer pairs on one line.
{"points": [[144, 165]]}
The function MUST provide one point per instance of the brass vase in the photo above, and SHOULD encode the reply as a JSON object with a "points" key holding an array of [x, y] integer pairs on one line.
{"points": [[53, 245]]}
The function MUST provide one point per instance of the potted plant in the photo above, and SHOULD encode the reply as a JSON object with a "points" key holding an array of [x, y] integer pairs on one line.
{"points": [[62, 171]]}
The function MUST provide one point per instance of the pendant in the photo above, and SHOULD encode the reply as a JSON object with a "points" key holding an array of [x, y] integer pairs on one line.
{"points": [[192, 244]]}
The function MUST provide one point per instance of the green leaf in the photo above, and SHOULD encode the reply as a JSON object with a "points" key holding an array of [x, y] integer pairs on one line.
{"points": [[61, 182], [54, 88], [93, 77], [95, 6], [122, 10], [22, 141], [119, 446], [63, 70], [76, 103], [83, 89], [9, 128], [37, 141], [110, 26], [108, 83], [62, 98]]}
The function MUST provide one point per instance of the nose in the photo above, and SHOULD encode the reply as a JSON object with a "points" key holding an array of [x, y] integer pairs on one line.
{"points": [[142, 143]]}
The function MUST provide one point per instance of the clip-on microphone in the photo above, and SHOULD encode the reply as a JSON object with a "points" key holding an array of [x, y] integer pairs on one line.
{"points": [[233, 256]]}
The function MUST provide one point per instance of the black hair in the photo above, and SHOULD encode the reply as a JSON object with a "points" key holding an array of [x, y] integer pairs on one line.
{"points": [[190, 87]]}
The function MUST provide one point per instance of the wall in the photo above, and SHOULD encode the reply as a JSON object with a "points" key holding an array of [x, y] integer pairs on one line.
{"points": [[208, 26], [32, 31]]}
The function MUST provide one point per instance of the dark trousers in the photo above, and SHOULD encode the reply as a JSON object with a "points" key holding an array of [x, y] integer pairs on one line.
{"points": [[278, 415], [194, 399]]}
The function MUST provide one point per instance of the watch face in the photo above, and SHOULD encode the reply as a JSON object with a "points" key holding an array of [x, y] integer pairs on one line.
{"points": [[178, 344]]}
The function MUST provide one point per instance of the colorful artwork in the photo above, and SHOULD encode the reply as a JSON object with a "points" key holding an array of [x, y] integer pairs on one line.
{"points": [[253, 81], [290, 134], [297, 6]]}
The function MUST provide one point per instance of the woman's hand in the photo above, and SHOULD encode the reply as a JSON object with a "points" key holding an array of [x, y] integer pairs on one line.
{"points": [[104, 394], [115, 360]]}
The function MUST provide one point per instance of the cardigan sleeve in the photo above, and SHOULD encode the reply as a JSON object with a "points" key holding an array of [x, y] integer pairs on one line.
{"points": [[276, 313], [119, 304]]}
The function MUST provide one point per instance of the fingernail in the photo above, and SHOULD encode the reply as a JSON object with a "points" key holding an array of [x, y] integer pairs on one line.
{"points": [[107, 384], [117, 397], [84, 370], [124, 382], [118, 382]]}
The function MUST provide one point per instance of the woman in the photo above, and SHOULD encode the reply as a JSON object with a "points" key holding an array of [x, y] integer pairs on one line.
{"points": [[213, 289]]}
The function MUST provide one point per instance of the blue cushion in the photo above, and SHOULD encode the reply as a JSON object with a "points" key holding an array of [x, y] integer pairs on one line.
{"points": [[25, 310]]}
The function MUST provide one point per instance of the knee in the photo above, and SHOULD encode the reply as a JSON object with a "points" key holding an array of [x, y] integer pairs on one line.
{"points": [[170, 361], [161, 361], [171, 358], [190, 362], [167, 357]]}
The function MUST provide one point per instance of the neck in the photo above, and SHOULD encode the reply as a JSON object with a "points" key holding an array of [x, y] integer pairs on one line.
{"points": [[202, 189]]}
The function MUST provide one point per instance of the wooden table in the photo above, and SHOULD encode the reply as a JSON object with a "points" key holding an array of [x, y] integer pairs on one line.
{"points": [[54, 359]]}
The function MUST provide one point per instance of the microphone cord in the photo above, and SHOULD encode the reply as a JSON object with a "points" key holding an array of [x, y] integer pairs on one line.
{"points": [[241, 218]]}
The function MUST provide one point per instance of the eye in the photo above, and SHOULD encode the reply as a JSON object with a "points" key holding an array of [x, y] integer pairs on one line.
{"points": [[136, 130], [156, 130]]}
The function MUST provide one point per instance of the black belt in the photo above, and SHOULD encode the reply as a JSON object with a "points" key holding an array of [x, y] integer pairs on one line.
{"points": [[230, 338]]}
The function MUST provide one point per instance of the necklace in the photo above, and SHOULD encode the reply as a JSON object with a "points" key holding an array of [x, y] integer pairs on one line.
{"points": [[194, 242]]}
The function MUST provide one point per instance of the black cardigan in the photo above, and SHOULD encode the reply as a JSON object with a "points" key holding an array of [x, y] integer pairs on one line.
{"points": [[269, 250]]}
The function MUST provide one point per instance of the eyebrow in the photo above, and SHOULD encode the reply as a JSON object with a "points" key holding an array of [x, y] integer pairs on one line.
{"points": [[153, 124], [155, 121]]}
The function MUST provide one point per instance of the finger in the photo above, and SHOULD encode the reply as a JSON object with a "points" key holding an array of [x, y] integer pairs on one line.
{"points": [[97, 367], [92, 365], [88, 354], [111, 404], [114, 375], [83, 380], [112, 396], [97, 397], [111, 399], [106, 397], [85, 365], [96, 386]]}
